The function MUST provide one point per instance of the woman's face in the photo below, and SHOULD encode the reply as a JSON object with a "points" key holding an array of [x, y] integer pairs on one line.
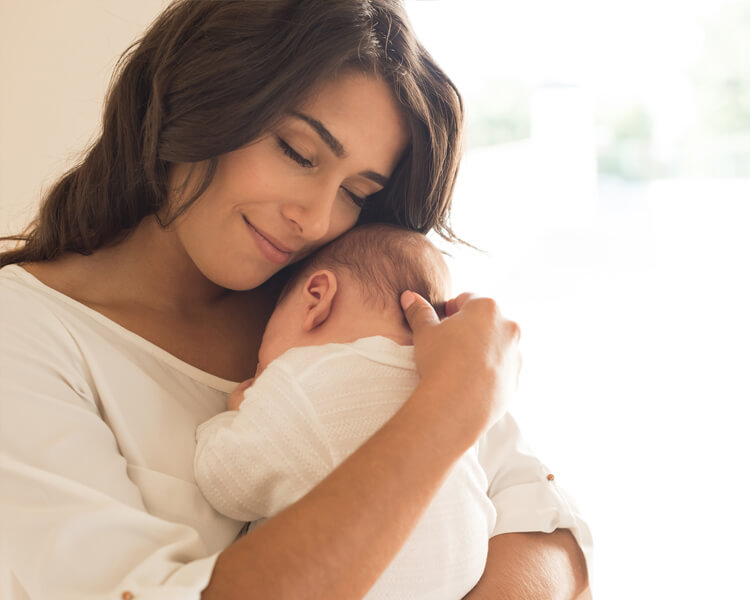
{"points": [[300, 186]]}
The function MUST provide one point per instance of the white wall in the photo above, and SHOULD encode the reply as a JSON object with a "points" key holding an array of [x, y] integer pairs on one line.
{"points": [[56, 57]]}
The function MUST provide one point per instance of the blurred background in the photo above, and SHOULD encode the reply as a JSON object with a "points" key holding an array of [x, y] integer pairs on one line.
{"points": [[607, 177], [607, 180]]}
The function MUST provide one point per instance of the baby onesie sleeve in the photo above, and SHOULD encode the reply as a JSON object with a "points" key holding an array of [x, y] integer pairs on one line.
{"points": [[523, 490], [254, 462], [73, 525]]}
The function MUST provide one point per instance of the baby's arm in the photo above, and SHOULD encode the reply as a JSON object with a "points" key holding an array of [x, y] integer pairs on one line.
{"points": [[243, 460]]}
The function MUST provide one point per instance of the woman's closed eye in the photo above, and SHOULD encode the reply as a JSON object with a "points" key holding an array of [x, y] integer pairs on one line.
{"points": [[306, 163], [359, 201], [293, 154]]}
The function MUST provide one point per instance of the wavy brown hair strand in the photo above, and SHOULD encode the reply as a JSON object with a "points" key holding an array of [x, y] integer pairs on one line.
{"points": [[209, 77]]}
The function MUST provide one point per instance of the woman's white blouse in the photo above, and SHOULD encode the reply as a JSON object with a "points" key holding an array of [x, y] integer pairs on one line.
{"points": [[97, 437]]}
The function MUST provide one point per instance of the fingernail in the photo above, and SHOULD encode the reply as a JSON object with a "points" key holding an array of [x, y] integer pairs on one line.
{"points": [[407, 299]]}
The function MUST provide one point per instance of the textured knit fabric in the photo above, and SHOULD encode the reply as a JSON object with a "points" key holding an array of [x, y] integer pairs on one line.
{"points": [[313, 407], [97, 437]]}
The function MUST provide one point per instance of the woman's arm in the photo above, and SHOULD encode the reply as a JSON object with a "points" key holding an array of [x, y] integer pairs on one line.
{"points": [[71, 493], [337, 540], [533, 566], [527, 499]]}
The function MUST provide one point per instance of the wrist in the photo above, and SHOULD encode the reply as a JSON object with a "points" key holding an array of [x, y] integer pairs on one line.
{"points": [[448, 414]]}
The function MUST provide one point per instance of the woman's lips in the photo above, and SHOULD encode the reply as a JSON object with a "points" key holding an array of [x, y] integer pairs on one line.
{"points": [[269, 249]]}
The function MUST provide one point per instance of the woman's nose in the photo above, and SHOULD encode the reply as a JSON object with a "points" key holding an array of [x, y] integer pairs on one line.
{"points": [[311, 213]]}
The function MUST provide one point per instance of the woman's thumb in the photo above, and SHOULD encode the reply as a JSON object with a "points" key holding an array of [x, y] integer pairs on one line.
{"points": [[418, 312]]}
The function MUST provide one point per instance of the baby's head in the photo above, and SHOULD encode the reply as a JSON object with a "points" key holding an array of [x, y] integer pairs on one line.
{"points": [[351, 289]]}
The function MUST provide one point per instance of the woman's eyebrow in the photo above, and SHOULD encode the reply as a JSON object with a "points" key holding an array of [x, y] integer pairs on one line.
{"points": [[336, 146], [376, 177]]}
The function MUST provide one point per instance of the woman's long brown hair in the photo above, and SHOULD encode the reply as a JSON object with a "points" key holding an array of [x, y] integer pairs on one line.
{"points": [[209, 77]]}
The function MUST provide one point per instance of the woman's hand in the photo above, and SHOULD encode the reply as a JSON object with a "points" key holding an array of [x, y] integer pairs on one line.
{"points": [[471, 358]]}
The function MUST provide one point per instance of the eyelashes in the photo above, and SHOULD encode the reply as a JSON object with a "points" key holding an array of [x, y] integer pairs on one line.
{"points": [[293, 154], [305, 163], [358, 200]]}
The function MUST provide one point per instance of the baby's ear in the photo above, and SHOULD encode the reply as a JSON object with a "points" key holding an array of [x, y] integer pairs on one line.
{"points": [[319, 291]]}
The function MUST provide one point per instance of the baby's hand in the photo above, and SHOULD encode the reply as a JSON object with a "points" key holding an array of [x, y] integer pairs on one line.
{"points": [[238, 395]]}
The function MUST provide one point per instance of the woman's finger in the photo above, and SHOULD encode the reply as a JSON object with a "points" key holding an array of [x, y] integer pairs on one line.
{"points": [[453, 305], [418, 312]]}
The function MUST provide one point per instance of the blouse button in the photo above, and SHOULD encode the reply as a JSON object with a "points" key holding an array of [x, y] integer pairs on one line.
{"points": [[127, 595], [550, 477]]}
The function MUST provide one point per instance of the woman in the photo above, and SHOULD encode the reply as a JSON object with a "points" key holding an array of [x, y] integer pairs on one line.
{"points": [[238, 136]]}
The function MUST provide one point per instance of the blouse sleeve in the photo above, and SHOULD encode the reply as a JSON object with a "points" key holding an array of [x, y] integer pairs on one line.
{"points": [[73, 525], [523, 490]]}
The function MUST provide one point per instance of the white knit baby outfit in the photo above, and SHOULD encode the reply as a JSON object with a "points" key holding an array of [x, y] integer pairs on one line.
{"points": [[308, 411]]}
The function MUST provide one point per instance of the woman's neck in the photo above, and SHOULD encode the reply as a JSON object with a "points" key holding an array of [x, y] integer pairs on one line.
{"points": [[148, 285], [148, 267]]}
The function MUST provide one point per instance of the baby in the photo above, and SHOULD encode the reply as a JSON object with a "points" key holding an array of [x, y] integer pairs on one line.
{"points": [[336, 362]]}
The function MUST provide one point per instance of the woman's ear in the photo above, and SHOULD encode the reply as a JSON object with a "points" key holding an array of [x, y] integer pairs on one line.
{"points": [[319, 291]]}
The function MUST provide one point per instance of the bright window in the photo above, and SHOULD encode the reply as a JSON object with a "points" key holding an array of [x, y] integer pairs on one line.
{"points": [[608, 178]]}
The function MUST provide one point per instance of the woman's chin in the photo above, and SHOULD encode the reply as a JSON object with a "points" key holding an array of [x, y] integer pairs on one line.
{"points": [[240, 279]]}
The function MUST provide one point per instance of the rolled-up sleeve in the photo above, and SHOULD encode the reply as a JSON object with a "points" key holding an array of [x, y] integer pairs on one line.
{"points": [[523, 490]]}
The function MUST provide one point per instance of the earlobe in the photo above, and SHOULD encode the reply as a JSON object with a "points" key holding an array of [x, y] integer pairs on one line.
{"points": [[319, 291]]}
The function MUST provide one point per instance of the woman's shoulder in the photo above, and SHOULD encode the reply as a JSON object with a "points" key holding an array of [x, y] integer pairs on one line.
{"points": [[31, 314], [64, 277], [37, 320], [52, 288], [38, 349], [44, 324], [20, 292], [24, 295]]}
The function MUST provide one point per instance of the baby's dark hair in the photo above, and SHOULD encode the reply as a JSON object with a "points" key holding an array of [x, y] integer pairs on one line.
{"points": [[385, 260]]}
